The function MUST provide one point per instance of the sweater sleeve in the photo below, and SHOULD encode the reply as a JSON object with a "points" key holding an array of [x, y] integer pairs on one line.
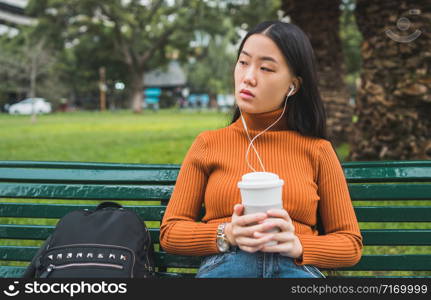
{"points": [[180, 232], [341, 245]]}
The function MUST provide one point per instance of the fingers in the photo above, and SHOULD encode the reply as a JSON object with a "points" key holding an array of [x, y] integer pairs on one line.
{"points": [[238, 209], [285, 242], [253, 245], [282, 224], [250, 219], [279, 213], [281, 218], [248, 231]]}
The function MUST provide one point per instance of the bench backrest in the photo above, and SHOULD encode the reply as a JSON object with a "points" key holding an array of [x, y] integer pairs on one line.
{"points": [[148, 188]]}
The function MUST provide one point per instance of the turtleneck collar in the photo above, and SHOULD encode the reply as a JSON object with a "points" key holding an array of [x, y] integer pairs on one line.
{"points": [[261, 121]]}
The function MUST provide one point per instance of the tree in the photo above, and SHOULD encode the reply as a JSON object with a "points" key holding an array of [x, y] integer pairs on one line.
{"points": [[25, 62], [393, 103], [320, 20], [248, 13], [144, 33], [212, 70]]}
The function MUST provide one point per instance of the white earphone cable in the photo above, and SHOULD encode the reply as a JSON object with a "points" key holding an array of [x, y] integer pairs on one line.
{"points": [[252, 140]]}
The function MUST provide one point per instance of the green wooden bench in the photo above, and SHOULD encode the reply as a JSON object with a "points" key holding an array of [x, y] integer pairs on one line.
{"points": [[25, 181]]}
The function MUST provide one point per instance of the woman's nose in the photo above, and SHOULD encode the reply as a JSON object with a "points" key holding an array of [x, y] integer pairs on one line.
{"points": [[250, 77]]}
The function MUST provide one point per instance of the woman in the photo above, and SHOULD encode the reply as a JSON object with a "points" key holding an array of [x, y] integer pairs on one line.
{"points": [[276, 93]]}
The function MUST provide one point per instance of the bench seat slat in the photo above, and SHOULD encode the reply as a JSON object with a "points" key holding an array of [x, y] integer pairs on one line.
{"points": [[113, 175], [372, 237], [377, 171], [11, 272], [155, 213], [55, 211], [393, 213], [354, 171], [390, 191], [41, 232], [114, 191], [411, 262], [84, 191], [397, 237]]}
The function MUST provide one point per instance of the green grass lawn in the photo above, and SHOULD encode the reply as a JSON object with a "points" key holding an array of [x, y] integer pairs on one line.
{"points": [[123, 137]]}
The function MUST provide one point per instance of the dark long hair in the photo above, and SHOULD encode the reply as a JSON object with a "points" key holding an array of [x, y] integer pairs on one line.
{"points": [[305, 110]]}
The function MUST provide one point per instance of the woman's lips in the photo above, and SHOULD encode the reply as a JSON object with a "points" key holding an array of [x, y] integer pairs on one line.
{"points": [[245, 95]]}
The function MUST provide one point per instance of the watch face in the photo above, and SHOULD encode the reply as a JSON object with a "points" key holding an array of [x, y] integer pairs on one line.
{"points": [[222, 245]]}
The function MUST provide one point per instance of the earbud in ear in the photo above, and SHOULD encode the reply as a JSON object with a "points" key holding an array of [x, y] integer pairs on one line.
{"points": [[292, 87]]}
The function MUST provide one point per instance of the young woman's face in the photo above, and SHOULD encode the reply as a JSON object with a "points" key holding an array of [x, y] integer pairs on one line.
{"points": [[262, 71]]}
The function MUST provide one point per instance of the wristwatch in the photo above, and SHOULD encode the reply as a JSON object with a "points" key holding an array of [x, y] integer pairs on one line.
{"points": [[223, 244]]}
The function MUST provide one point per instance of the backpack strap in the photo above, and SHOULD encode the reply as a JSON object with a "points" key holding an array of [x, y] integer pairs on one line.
{"points": [[32, 269]]}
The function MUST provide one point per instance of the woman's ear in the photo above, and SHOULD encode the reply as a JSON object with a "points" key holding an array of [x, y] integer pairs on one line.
{"points": [[296, 83]]}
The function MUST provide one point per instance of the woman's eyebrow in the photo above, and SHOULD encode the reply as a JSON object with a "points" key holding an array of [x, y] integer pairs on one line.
{"points": [[260, 57]]}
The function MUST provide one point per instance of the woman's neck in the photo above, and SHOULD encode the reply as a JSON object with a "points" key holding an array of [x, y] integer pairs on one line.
{"points": [[261, 121]]}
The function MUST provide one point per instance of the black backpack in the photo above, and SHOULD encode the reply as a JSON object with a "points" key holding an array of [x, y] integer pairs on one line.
{"points": [[108, 242]]}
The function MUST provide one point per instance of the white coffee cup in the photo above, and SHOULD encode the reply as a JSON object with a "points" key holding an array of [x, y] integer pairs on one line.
{"points": [[260, 192]]}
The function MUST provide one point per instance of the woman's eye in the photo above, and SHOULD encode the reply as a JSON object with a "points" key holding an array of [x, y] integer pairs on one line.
{"points": [[266, 69], [241, 62]]}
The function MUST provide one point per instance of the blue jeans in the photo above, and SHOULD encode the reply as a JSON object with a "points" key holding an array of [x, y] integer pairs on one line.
{"points": [[241, 264]]}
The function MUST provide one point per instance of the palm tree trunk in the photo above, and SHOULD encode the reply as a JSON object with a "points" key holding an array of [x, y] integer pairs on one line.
{"points": [[320, 21], [394, 98]]}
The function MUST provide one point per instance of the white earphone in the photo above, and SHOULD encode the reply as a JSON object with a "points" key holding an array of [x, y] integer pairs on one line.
{"points": [[292, 88]]}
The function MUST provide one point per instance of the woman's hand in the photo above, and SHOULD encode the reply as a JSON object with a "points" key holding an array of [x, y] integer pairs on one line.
{"points": [[242, 229], [288, 242]]}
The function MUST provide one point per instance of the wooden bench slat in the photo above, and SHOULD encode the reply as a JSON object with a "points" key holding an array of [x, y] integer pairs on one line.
{"points": [[372, 237], [25, 232], [397, 237], [155, 212], [143, 175], [85, 191], [381, 171], [17, 253], [393, 213], [354, 171], [55, 211], [390, 191], [41, 232], [11, 271], [407, 262]]}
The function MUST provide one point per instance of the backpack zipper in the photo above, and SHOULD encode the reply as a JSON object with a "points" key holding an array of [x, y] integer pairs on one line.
{"points": [[101, 245], [51, 267]]}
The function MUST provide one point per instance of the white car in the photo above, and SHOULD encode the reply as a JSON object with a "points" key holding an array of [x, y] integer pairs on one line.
{"points": [[27, 106]]}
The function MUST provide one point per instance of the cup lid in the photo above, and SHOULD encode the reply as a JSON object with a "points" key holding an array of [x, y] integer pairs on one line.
{"points": [[260, 180]]}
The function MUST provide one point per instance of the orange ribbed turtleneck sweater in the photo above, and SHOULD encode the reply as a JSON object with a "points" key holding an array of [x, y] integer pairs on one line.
{"points": [[313, 179]]}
